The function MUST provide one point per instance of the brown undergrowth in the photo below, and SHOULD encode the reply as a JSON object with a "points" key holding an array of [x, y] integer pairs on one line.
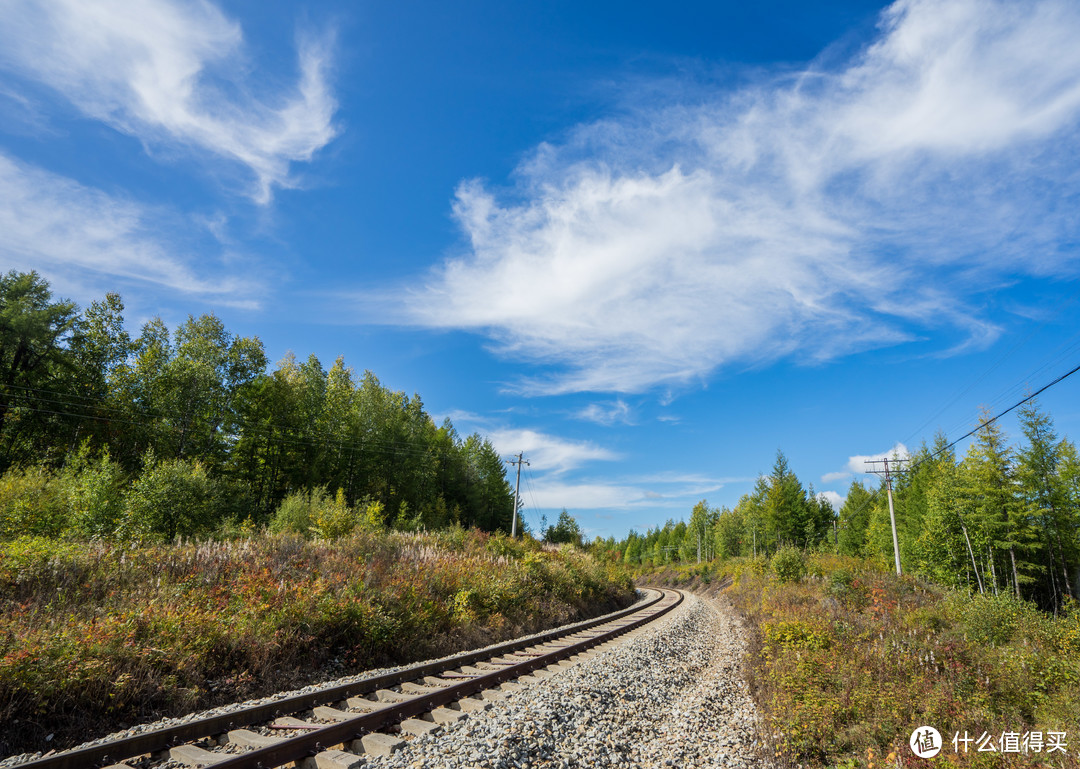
{"points": [[847, 659], [96, 636]]}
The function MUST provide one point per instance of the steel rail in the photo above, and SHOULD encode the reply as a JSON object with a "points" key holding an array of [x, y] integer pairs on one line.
{"points": [[170, 736], [307, 745]]}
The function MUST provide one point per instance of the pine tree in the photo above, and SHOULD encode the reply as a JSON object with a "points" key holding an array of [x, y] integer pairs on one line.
{"points": [[1041, 486], [996, 507]]}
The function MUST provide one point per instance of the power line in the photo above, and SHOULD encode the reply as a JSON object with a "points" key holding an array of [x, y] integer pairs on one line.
{"points": [[535, 506], [998, 416], [913, 466], [517, 490], [115, 414], [1061, 352]]}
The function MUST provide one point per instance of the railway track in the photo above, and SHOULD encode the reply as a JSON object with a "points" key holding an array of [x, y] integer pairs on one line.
{"points": [[327, 729]]}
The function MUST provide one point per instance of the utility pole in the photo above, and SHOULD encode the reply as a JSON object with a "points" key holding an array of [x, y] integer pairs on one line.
{"points": [[517, 490], [888, 490]]}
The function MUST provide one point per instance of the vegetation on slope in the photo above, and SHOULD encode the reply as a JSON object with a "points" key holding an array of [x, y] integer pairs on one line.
{"points": [[94, 635], [848, 659]]}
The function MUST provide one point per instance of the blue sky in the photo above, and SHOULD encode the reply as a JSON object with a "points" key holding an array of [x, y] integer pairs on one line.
{"points": [[646, 246]]}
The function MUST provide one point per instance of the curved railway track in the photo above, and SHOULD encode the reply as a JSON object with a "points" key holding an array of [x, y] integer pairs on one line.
{"points": [[359, 716]]}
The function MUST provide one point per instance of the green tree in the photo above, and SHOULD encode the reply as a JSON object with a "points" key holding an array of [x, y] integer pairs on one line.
{"points": [[854, 519], [1039, 474], [566, 530], [997, 511], [787, 516], [34, 330]]}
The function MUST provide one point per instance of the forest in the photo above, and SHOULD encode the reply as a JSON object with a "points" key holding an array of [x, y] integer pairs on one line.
{"points": [[1001, 519], [187, 431]]}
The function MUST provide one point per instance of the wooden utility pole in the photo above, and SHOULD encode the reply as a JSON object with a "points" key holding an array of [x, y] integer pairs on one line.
{"points": [[888, 490], [517, 491]]}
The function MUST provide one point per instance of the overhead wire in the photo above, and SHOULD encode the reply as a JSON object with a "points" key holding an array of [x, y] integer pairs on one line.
{"points": [[1064, 351], [912, 467], [402, 448], [535, 507]]}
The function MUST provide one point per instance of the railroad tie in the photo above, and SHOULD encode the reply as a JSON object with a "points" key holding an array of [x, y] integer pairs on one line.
{"points": [[364, 705], [444, 715], [418, 727], [331, 714], [246, 738], [471, 704], [377, 744], [190, 755], [333, 759], [411, 688], [385, 695]]}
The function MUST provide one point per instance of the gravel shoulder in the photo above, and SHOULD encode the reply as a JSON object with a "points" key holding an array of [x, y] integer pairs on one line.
{"points": [[671, 694]]}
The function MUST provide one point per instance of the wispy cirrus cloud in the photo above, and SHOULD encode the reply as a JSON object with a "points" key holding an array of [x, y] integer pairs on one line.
{"points": [[617, 411], [809, 216], [548, 453], [173, 73], [63, 229]]}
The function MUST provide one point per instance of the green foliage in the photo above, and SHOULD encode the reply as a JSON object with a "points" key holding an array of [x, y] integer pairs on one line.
{"points": [[847, 663], [294, 514], [333, 518], [202, 395], [565, 530], [95, 495], [788, 564], [33, 502], [170, 499], [112, 631], [795, 635]]}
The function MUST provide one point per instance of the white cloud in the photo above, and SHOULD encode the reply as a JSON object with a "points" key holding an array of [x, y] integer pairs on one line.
{"points": [[834, 477], [59, 227], [857, 464], [547, 453], [833, 499], [173, 73], [606, 413], [798, 218], [554, 494]]}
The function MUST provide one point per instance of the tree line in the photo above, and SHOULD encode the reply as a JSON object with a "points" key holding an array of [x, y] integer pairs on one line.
{"points": [[1000, 519], [197, 411]]}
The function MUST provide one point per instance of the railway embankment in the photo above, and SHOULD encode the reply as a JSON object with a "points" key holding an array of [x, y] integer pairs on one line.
{"points": [[95, 636], [845, 660]]}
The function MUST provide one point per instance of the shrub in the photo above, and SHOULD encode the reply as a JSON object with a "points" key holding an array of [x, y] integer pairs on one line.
{"points": [[33, 502], [294, 514], [170, 499], [788, 564], [95, 496], [332, 517], [840, 582]]}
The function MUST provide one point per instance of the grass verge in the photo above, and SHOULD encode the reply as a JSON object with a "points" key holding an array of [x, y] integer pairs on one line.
{"points": [[96, 636], [847, 659]]}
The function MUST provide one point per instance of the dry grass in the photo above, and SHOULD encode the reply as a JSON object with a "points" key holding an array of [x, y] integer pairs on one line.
{"points": [[849, 659], [94, 636]]}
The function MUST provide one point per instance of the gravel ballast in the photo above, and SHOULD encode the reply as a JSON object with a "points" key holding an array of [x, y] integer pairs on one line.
{"points": [[670, 695]]}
